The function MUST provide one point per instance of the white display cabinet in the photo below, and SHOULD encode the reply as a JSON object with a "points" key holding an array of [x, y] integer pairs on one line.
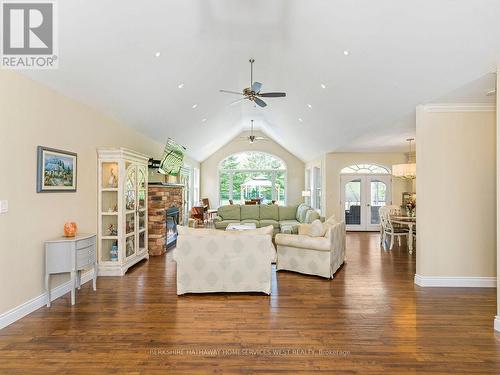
{"points": [[122, 210]]}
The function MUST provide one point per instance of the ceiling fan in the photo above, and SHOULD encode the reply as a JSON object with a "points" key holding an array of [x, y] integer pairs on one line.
{"points": [[252, 137], [253, 93]]}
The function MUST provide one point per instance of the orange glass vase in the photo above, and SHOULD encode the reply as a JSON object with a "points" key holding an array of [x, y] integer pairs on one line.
{"points": [[70, 229]]}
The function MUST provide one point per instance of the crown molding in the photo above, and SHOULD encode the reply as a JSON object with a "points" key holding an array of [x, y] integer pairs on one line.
{"points": [[459, 107]]}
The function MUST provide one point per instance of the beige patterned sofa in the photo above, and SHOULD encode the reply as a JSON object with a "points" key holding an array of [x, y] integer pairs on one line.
{"points": [[263, 215], [321, 256], [210, 261]]}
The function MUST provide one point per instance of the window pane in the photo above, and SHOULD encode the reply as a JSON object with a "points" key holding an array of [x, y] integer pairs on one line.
{"points": [[224, 188], [280, 187], [378, 199], [353, 203], [254, 175]]}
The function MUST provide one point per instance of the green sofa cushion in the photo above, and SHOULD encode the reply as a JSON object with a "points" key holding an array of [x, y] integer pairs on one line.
{"points": [[274, 223], [311, 215], [269, 212], [301, 212], [224, 223], [229, 212], [248, 221], [287, 212], [292, 223], [250, 212]]}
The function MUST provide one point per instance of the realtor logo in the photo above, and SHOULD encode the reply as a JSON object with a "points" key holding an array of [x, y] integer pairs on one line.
{"points": [[28, 35]]}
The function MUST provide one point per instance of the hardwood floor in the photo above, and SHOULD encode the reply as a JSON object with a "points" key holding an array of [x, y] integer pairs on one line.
{"points": [[370, 319]]}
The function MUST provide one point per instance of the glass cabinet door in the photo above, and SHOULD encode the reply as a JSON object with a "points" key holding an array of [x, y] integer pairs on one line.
{"points": [[141, 208], [130, 196]]}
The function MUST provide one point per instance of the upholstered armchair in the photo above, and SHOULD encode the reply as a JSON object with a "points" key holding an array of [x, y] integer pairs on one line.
{"points": [[321, 255]]}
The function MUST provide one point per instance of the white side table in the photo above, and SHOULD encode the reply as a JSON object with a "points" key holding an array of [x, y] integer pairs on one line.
{"points": [[70, 254]]}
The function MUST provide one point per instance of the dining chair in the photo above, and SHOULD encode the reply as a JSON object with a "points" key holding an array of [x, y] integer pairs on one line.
{"points": [[390, 229], [198, 214], [250, 203], [231, 202]]}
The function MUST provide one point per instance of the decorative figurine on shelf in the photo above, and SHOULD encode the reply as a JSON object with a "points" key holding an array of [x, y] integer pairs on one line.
{"points": [[112, 230], [115, 208], [113, 254], [112, 181], [130, 248], [70, 229]]}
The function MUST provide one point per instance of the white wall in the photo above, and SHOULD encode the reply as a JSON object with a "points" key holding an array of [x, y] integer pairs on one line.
{"points": [[335, 161], [209, 167], [497, 320], [456, 191], [34, 115]]}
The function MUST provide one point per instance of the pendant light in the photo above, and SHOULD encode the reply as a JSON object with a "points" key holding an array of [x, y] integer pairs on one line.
{"points": [[408, 170]]}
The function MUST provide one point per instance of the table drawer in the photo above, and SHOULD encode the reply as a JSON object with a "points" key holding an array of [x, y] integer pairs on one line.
{"points": [[85, 256], [85, 243]]}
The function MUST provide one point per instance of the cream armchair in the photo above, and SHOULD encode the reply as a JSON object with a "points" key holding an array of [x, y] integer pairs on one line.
{"points": [[321, 256]]}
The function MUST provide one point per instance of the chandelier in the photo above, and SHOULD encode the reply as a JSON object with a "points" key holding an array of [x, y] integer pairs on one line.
{"points": [[408, 170]]}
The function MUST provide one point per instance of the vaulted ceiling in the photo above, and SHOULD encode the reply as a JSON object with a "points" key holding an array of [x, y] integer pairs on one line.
{"points": [[376, 61]]}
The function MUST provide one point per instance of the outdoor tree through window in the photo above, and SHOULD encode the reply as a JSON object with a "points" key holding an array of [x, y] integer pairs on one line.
{"points": [[251, 175]]}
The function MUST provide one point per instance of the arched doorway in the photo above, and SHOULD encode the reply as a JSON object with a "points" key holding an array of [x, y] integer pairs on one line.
{"points": [[364, 189]]}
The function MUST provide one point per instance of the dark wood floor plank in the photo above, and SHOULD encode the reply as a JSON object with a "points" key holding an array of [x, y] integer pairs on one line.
{"points": [[370, 319]]}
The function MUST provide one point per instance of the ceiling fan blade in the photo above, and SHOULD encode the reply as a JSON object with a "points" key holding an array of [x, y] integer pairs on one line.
{"points": [[231, 92], [272, 94], [260, 138], [260, 102], [238, 100], [256, 86]]}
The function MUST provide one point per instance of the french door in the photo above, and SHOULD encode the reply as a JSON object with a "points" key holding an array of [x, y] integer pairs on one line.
{"points": [[361, 198]]}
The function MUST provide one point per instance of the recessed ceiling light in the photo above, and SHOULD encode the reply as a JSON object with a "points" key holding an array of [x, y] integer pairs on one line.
{"points": [[203, 119], [158, 54], [300, 119], [323, 86], [309, 105], [194, 106], [180, 85], [346, 53]]}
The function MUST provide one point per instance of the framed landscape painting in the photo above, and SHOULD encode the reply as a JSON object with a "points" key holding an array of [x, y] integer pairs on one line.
{"points": [[56, 170]]}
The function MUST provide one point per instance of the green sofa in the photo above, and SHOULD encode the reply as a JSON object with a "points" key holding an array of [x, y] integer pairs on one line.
{"points": [[264, 215]]}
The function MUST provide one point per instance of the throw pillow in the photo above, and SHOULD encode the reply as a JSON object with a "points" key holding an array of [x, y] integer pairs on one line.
{"points": [[331, 220], [317, 229]]}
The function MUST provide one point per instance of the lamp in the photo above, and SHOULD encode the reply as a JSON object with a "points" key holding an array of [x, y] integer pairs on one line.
{"points": [[408, 170]]}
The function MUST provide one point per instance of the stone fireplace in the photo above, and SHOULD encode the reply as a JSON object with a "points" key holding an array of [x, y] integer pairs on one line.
{"points": [[161, 198]]}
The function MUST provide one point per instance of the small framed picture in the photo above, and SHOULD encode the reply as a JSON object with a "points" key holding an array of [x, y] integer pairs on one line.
{"points": [[56, 170]]}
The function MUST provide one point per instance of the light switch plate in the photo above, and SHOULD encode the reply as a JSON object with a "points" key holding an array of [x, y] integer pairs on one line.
{"points": [[4, 207]]}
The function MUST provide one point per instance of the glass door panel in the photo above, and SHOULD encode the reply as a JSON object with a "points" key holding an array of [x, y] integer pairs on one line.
{"points": [[378, 198], [130, 209], [352, 202]]}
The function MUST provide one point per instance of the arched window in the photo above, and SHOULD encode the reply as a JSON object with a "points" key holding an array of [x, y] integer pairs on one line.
{"points": [[365, 169], [251, 175]]}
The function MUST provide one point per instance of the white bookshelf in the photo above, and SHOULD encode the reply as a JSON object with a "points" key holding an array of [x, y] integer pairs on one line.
{"points": [[122, 199]]}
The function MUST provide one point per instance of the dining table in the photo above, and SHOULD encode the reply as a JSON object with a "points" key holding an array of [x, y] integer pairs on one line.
{"points": [[411, 223]]}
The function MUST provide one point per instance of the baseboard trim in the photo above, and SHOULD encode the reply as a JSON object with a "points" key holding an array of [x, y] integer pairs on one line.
{"points": [[33, 304], [456, 282], [496, 323]]}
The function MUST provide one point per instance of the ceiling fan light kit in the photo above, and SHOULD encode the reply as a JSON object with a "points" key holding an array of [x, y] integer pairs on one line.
{"points": [[252, 137], [253, 93]]}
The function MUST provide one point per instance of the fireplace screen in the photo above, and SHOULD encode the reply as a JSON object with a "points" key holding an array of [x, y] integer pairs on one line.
{"points": [[172, 220]]}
